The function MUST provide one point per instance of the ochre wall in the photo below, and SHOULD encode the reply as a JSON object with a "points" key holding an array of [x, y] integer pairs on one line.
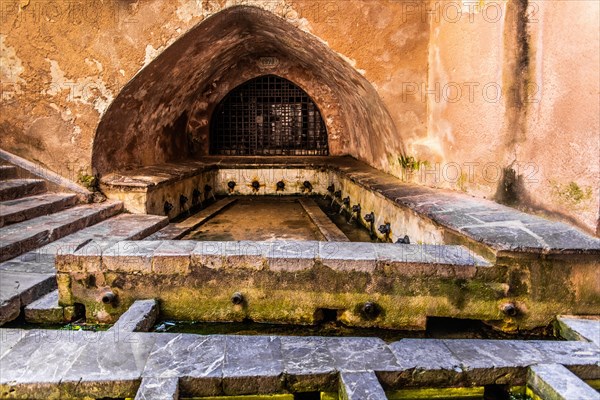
{"points": [[413, 78]]}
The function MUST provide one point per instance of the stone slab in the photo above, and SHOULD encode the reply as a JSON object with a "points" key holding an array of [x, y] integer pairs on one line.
{"points": [[360, 354], [158, 389], [130, 257], [7, 172], [424, 362], [253, 364], [177, 230], [18, 210], [348, 256], [19, 289], [16, 188], [493, 361], [196, 360], [9, 338], [45, 310], [292, 256], [576, 328], [555, 382], [110, 366], [140, 317], [308, 364], [360, 386], [24, 236], [582, 358], [172, 257], [328, 229]]}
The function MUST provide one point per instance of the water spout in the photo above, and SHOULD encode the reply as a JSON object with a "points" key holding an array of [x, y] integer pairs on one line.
{"points": [[307, 186], [280, 186], [196, 197], [237, 298], [209, 190], [255, 185], [167, 207], [109, 297], [404, 240], [231, 186]]}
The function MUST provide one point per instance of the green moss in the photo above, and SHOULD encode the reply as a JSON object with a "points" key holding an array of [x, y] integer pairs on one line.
{"points": [[571, 193], [89, 181]]}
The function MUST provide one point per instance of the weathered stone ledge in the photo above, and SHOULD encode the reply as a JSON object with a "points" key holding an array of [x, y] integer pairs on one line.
{"points": [[176, 257], [66, 364]]}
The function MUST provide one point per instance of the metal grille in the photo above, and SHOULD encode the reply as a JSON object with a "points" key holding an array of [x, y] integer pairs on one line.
{"points": [[268, 115]]}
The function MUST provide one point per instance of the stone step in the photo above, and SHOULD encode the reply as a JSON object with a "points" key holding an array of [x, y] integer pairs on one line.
{"points": [[19, 210], [18, 289], [16, 188], [25, 236], [41, 261], [7, 172], [45, 310]]}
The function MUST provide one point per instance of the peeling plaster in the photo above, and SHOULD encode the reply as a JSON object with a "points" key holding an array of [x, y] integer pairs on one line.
{"points": [[89, 90], [11, 69]]}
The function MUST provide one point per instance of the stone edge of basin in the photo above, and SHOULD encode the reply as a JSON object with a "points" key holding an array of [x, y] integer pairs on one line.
{"points": [[509, 231], [350, 256]]}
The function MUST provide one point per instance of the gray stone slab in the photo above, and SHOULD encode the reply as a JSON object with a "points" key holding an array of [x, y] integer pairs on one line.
{"points": [[308, 365], [24, 236], [582, 358], [424, 362], [555, 382], [19, 289], [158, 389], [17, 188], [361, 354], [197, 360], [9, 338], [30, 262], [18, 210], [350, 256], [253, 364], [140, 317], [43, 356], [492, 361], [45, 310], [112, 365], [292, 256], [360, 386], [575, 328]]}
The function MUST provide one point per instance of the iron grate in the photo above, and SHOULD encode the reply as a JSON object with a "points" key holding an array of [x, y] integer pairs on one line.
{"points": [[268, 115]]}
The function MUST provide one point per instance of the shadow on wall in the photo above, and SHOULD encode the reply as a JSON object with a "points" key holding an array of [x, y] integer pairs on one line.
{"points": [[168, 104]]}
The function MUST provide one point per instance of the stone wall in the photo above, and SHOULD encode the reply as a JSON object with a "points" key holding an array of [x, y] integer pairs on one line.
{"points": [[94, 86]]}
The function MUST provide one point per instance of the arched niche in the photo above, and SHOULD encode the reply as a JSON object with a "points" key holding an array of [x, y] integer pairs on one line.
{"points": [[163, 113]]}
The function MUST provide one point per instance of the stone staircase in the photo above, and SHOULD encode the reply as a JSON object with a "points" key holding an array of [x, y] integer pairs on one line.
{"points": [[36, 224]]}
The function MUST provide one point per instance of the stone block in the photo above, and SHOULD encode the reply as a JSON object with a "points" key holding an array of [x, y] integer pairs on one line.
{"points": [[348, 256], [173, 257], [253, 364], [130, 257]]}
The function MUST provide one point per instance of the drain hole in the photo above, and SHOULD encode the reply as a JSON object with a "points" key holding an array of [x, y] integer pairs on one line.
{"points": [[326, 315]]}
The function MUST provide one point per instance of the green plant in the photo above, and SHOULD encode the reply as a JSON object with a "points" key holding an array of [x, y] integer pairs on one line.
{"points": [[409, 163]]}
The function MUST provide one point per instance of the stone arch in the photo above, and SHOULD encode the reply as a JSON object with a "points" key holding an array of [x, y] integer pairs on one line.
{"points": [[162, 114]]}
